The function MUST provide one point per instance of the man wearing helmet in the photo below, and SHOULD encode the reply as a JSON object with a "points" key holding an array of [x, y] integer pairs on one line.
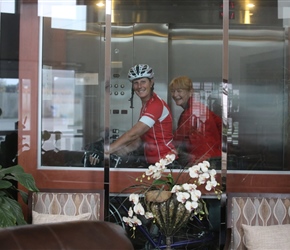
{"points": [[154, 127]]}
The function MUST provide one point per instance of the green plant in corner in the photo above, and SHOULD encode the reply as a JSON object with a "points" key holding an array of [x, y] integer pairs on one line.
{"points": [[11, 213]]}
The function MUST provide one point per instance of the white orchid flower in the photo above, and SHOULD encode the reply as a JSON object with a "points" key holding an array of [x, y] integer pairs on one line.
{"points": [[194, 171], [210, 184], [134, 198], [212, 179], [160, 168], [182, 196], [159, 165], [136, 221], [191, 205], [195, 195], [189, 187], [151, 170], [162, 162], [149, 215], [176, 188], [212, 172], [203, 177], [130, 212], [170, 158], [157, 175], [128, 221], [206, 163], [203, 167], [139, 209]]}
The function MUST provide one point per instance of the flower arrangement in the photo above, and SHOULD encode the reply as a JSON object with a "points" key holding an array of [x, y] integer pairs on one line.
{"points": [[187, 193]]}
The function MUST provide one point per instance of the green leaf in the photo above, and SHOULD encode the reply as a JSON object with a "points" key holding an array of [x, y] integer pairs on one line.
{"points": [[7, 218], [10, 212], [17, 173], [3, 192], [170, 179], [24, 196], [159, 182], [12, 170], [26, 180], [5, 184]]}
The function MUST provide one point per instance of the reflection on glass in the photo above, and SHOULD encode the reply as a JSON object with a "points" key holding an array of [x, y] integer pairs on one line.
{"points": [[80, 129], [9, 89], [181, 38], [7, 6], [61, 123], [71, 92], [52, 8], [258, 109]]}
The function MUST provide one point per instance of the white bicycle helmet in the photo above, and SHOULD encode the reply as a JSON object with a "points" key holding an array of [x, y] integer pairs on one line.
{"points": [[140, 71]]}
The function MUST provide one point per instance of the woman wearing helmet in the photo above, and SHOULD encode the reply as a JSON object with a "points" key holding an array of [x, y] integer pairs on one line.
{"points": [[154, 127]]}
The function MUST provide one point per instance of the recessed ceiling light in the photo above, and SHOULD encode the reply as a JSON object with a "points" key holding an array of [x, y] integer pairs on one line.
{"points": [[251, 5], [100, 4]]}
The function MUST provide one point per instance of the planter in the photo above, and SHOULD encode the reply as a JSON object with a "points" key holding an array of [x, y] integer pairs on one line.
{"points": [[170, 215]]}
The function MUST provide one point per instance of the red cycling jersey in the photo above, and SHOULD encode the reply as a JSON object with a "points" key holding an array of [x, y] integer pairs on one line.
{"points": [[158, 140], [199, 133]]}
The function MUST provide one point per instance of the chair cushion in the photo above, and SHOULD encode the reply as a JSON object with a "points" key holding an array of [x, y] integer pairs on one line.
{"points": [[265, 210], [67, 203], [267, 237], [39, 218]]}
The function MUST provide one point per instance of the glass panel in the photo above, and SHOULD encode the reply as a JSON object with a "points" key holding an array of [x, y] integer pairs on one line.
{"points": [[187, 37], [9, 121], [9, 84], [258, 110], [72, 76], [175, 39], [181, 38]]}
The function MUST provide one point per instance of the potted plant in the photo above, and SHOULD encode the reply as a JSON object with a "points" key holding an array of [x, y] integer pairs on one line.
{"points": [[11, 213], [169, 199]]}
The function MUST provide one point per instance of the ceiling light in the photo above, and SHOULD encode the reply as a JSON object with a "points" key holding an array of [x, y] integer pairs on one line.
{"points": [[100, 4], [251, 5]]}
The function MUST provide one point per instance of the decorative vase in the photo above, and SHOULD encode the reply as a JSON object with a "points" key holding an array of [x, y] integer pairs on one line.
{"points": [[169, 214]]}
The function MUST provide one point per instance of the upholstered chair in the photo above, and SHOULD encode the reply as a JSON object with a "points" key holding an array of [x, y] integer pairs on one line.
{"points": [[258, 220]]}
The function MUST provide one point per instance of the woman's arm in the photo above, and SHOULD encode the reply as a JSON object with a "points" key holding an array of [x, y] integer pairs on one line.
{"points": [[130, 139], [130, 147]]}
